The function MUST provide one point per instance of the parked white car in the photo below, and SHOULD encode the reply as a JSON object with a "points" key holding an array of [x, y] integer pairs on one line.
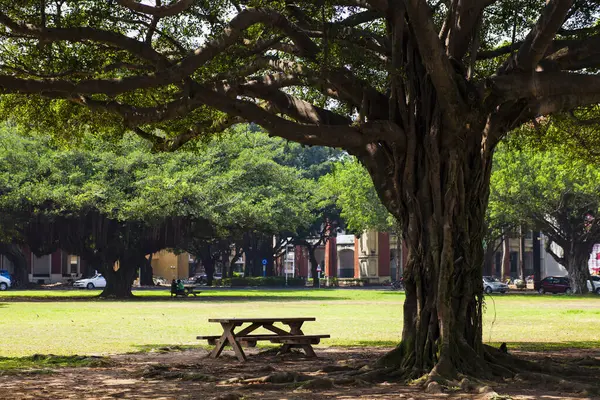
{"points": [[5, 282], [596, 280], [491, 284], [96, 281]]}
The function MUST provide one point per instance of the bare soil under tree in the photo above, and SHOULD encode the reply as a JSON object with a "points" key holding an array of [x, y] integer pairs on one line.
{"points": [[337, 373]]}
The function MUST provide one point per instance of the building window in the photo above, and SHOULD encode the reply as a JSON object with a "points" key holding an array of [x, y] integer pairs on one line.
{"points": [[74, 264]]}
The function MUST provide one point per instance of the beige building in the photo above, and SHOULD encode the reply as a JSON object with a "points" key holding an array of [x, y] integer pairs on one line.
{"points": [[169, 265]]}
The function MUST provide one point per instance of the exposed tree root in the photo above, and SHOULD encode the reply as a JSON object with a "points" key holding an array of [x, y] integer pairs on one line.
{"points": [[500, 368], [494, 366], [174, 373]]}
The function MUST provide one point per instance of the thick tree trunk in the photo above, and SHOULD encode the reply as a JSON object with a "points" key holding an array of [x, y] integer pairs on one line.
{"points": [[266, 253], [14, 254], [238, 253], [439, 193], [313, 265], [119, 282], [577, 267], [488, 259], [146, 271], [208, 263], [225, 263], [537, 262]]}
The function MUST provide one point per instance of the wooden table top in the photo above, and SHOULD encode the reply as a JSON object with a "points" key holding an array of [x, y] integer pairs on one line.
{"points": [[262, 320]]}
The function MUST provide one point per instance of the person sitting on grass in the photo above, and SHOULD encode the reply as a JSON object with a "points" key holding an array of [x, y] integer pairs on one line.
{"points": [[173, 288], [180, 287]]}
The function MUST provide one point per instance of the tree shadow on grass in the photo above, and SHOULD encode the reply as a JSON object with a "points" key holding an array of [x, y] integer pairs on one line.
{"points": [[45, 361], [199, 298], [242, 298], [548, 346], [166, 348]]}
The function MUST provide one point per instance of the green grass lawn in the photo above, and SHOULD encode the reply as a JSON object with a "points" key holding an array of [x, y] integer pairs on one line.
{"points": [[73, 322]]}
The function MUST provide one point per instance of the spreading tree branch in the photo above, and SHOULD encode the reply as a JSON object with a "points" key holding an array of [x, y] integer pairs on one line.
{"points": [[174, 8], [542, 85], [539, 38], [80, 34], [434, 58]]}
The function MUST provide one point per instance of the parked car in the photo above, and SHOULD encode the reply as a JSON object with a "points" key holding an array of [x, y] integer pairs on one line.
{"points": [[96, 281], [160, 281], [200, 279], [555, 284], [491, 285], [5, 273], [596, 280], [5, 282]]}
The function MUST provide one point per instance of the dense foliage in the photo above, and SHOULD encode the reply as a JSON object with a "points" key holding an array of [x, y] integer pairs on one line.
{"points": [[554, 193], [352, 189], [213, 193]]}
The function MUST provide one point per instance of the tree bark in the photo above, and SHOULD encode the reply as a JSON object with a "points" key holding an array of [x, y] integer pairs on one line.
{"points": [[488, 262], [208, 263], [238, 253], [537, 262], [313, 264], [443, 191], [119, 282], [146, 271], [576, 260]]}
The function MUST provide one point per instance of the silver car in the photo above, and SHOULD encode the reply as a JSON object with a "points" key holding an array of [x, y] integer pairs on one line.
{"points": [[491, 285], [596, 280], [5, 282]]}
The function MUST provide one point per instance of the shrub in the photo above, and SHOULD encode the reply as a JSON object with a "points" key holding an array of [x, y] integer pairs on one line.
{"points": [[277, 281]]}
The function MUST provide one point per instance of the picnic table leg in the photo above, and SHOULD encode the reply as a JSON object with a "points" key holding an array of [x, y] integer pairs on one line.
{"points": [[228, 337], [237, 349], [295, 329]]}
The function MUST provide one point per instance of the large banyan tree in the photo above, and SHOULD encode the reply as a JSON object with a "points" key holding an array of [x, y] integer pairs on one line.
{"points": [[420, 91]]}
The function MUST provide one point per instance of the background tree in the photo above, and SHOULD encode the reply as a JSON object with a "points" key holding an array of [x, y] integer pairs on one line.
{"points": [[350, 187], [93, 203], [420, 92], [121, 202], [558, 195]]}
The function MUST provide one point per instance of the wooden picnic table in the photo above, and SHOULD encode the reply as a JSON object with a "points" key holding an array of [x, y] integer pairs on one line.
{"points": [[293, 337]]}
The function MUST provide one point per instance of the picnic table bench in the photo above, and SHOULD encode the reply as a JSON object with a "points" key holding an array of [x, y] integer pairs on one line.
{"points": [[291, 338]]}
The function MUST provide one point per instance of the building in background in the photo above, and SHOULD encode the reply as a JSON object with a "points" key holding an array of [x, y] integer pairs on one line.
{"points": [[374, 257], [168, 265], [58, 266]]}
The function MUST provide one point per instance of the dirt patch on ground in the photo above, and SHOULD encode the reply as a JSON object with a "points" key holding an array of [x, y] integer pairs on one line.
{"points": [[189, 374]]}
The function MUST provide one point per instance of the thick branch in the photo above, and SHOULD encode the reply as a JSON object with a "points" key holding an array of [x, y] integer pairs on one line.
{"points": [[543, 85], [323, 135], [576, 55], [435, 60], [537, 41], [570, 54], [161, 11], [464, 27], [173, 74], [201, 129], [80, 34], [292, 106], [360, 18]]}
